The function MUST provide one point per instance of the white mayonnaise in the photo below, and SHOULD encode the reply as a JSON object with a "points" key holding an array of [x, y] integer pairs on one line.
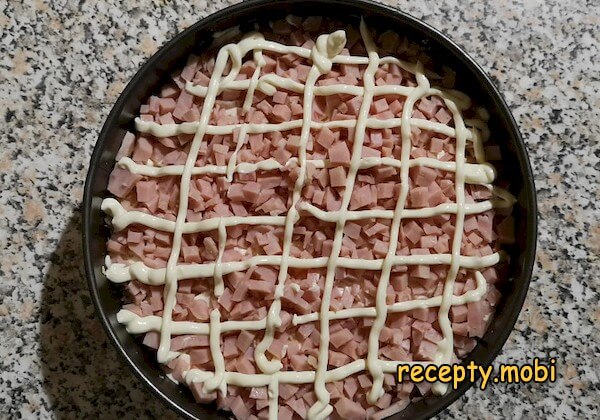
{"points": [[323, 55]]}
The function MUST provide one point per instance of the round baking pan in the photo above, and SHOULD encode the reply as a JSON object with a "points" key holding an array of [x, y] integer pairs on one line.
{"points": [[470, 79]]}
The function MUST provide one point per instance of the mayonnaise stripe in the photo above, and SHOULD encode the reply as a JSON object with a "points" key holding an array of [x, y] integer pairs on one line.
{"points": [[137, 325], [322, 409], [273, 315], [446, 345], [163, 353], [302, 377], [382, 285], [120, 273], [170, 130], [123, 219], [475, 173], [219, 286]]}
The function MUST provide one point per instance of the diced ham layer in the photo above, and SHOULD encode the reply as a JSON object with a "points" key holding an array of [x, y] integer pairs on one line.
{"points": [[248, 295]]}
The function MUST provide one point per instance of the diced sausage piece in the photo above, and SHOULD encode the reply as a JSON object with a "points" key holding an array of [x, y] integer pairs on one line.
{"points": [[362, 197], [191, 115], [421, 314], [306, 329], [182, 342], [423, 176], [364, 381], [266, 274], [419, 197], [191, 254], [297, 109], [420, 271], [443, 116], [134, 237], [279, 97], [385, 115], [384, 401], [285, 413], [323, 178], [281, 113], [225, 300], [340, 338], [184, 104], [376, 229], [220, 149], [152, 339], [470, 224], [286, 391], [348, 409], [281, 155], [257, 117], [276, 348], [302, 72], [298, 406], [352, 230], [354, 105], [146, 191], [259, 393], [260, 287], [339, 154], [332, 202], [297, 304], [380, 248], [197, 389], [189, 70], [474, 238], [337, 176], [325, 138], [368, 152], [493, 296], [169, 91], [461, 329], [427, 241], [229, 348], [244, 340], [235, 192], [299, 362], [379, 106], [243, 365], [338, 359], [350, 386], [251, 191], [153, 105], [475, 318], [426, 350], [121, 181], [127, 146], [239, 409], [242, 309], [265, 107], [166, 105], [413, 231], [427, 107], [199, 309]]}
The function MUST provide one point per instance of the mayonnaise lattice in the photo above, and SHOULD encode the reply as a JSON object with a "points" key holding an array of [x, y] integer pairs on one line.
{"points": [[323, 55]]}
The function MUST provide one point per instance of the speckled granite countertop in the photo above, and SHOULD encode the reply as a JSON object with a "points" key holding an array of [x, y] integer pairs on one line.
{"points": [[65, 62]]}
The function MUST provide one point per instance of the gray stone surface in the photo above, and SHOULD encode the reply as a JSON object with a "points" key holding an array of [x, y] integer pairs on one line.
{"points": [[64, 63]]}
